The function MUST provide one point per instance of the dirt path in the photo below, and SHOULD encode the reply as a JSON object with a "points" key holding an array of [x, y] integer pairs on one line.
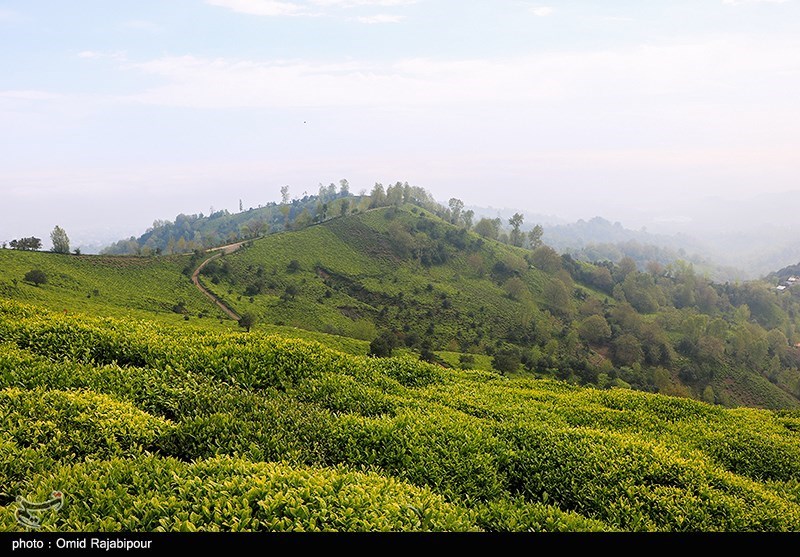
{"points": [[223, 250]]}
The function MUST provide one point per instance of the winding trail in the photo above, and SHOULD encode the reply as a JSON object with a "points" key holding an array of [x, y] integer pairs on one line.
{"points": [[223, 250]]}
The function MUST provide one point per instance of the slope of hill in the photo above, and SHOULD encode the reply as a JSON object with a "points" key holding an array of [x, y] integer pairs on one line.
{"points": [[422, 283], [149, 427], [153, 288], [106, 285]]}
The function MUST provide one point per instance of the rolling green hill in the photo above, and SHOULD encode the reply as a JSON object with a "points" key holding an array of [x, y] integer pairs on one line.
{"points": [[147, 426], [105, 285], [153, 288], [404, 274]]}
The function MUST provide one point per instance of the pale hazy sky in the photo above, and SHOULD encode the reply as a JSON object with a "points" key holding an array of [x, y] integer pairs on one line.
{"points": [[114, 113]]}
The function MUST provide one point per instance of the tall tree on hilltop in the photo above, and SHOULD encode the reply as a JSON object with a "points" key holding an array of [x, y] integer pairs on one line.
{"points": [[60, 240], [516, 222], [377, 196]]}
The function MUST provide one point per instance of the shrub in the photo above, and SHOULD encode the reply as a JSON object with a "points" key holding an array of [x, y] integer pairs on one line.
{"points": [[36, 277]]}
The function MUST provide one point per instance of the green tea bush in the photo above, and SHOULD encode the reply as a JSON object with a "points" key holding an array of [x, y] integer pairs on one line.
{"points": [[228, 494], [41, 428]]}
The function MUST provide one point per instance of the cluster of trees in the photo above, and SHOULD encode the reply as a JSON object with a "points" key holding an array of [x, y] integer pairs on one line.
{"points": [[188, 233], [58, 237], [26, 244], [664, 328], [662, 325]]}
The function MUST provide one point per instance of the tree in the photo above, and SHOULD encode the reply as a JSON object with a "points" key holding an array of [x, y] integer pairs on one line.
{"points": [[535, 236], [289, 293], [255, 227], [303, 220], [600, 277], [240, 206], [26, 244], [382, 345], [284, 195], [625, 267], [546, 259], [628, 350], [344, 187], [394, 195], [456, 206], [516, 222], [466, 361], [594, 329], [488, 228], [507, 360], [248, 321], [557, 298], [468, 215], [36, 277], [344, 207], [377, 196]]}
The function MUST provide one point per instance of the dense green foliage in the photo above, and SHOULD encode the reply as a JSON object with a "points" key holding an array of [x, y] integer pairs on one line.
{"points": [[436, 286], [147, 427]]}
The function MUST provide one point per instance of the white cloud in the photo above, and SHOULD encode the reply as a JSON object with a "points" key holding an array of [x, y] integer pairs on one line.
{"points": [[741, 2], [381, 18], [541, 11], [721, 71], [143, 25], [261, 7]]}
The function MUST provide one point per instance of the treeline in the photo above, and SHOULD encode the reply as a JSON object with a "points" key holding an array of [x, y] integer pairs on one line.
{"points": [[664, 329], [188, 233]]}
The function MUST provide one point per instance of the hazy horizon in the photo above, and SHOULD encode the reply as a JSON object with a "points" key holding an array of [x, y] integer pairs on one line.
{"points": [[648, 114]]}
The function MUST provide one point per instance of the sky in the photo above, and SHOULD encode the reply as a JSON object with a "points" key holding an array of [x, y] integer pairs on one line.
{"points": [[116, 113]]}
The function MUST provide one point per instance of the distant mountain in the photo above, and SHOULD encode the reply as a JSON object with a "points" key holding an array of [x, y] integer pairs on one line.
{"points": [[598, 239], [755, 234], [785, 273]]}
